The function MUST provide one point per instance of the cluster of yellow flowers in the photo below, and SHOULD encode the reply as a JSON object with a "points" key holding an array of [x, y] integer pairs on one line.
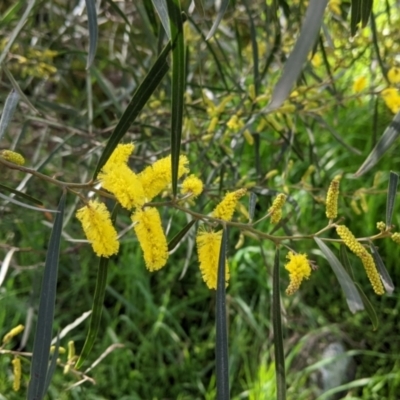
{"points": [[133, 191]]}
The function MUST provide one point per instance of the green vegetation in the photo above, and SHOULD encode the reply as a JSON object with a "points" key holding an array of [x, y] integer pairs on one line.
{"points": [[68, 99]]}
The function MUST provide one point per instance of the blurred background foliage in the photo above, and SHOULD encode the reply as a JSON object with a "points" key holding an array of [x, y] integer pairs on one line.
{"points": [[165, 320]]}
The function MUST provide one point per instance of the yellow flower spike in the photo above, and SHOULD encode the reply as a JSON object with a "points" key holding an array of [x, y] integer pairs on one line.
{"points": [[276, 209], [396, 237], [249, 137], [124, 184], [359, 84], [299, 268], [155, 178], [98, 228], [71, 350], [332, 198], [61, 350], [14, 332], [391, 98], [208, 248], [381, 226], [225, 209], [394, 75], [359, 250], [213, 125], [192, 185], [12, 157], [119, 156], [151, 237], [16, 362], [234, 123]]}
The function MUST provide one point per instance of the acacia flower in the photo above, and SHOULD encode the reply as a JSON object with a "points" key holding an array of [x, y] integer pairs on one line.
{"points": [[396, 237], [151, 237], [155, 178], [394, 75], [276, 209], [359, 84], [299, 268], [381, 226], [16, 362], [192, 184], [391, 98], [225, 209], [332, 198], [14, 332], [208, 248], [124, 184], [12, 157], [119, 156], [98, 228], [359, 250]]}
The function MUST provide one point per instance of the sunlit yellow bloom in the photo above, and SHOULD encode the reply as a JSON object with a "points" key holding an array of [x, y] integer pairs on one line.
{"points": [[12, 157], [316, 61], [276, 209], [119, 156], [124, 184], [299, 269], [396, 237], [391, 98], [381, 226], [192, 184], [332, 198], [334, 6], [394, 75], [14, 332], [208, 248], [225, 209], [151, 237], [235, 123], [359, 84], [16, 362], [98, 228], [359, 250], [155, 178]]}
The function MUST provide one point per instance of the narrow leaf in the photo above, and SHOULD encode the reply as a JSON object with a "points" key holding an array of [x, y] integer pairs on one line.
{"points": [[366, 9], [22, 195], [178, 86], [369, 308], [384, 274], [93, 30], [221, 345], [391, 197], [44, 326], [349, 289], [389, 136], [98, 300], [119, 12], [344, 259], [162, 11], [180, 235], [40, 209], [278, 333], [355, 15], [294, 64], [220, 15], [252, 205], [138, 101], [53, 365], [8, 111]]}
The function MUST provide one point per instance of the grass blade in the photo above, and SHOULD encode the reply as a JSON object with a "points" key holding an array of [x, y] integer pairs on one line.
{"points": [[366, 9], [8, 111], [98, 300], [178, 86], [180, 235], [355, 15], [391, 197], [386, 279], [369, 308], [53, 364], [138, 101], [278, 334], [93, 30], [21, 195], [43, 333], [162, 11], [349, 289], [389, 136], [293, 66], [16, 30], [221, 345], [220, 15]]}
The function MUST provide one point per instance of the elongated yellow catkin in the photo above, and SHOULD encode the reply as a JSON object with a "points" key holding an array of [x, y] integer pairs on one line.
{"points": [[359, 250], [332, 198], [16, 362]]}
